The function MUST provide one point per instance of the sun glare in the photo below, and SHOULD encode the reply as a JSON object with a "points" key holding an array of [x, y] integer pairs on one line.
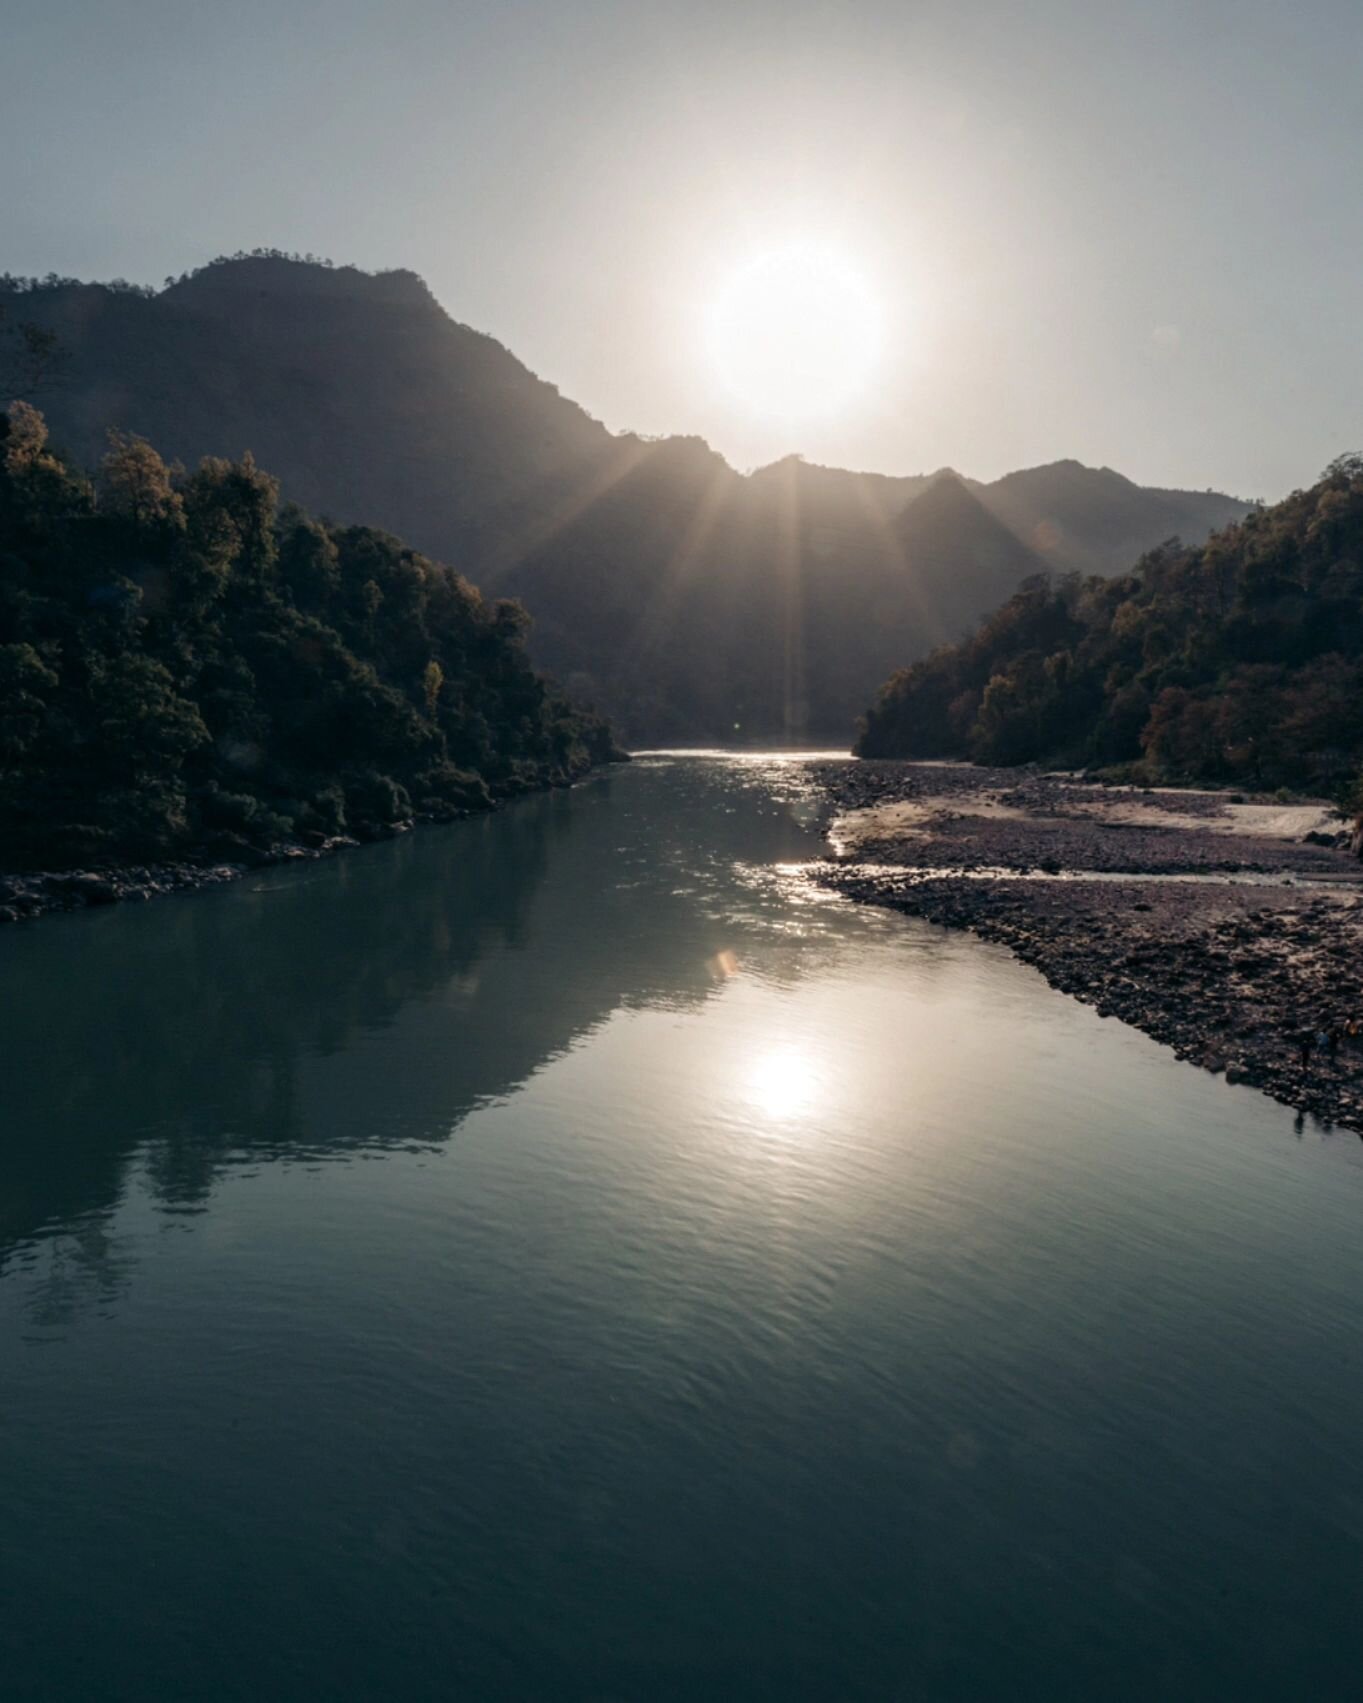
{"points": [[795, 333], [781, 1084]]}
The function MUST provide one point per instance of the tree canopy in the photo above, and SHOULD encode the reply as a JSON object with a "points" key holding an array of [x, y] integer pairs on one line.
{"points": [[186, 663], [1239, 661]]}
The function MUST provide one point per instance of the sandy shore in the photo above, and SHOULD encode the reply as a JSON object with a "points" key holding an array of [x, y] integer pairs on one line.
{"points": [[1210, 921]]}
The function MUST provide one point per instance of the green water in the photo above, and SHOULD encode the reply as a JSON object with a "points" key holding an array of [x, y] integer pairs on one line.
{"points": [[563, 1256]]}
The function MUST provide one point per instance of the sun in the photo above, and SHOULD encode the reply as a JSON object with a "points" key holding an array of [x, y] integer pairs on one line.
{"points": [[795, 333]]}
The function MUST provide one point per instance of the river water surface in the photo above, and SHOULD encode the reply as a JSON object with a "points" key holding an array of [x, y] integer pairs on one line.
{"points": [[565, 1256]]}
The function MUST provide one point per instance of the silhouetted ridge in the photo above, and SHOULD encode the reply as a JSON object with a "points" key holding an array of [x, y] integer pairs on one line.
{"points": [[1094, 520], [687, 599], [957, 556], [285, 278]]}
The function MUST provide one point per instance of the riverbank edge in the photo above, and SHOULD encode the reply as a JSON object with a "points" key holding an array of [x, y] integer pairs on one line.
{"points": [[28, 895], [1226, 976]]}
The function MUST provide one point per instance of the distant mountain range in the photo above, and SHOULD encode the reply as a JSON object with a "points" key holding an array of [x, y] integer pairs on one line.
{"points": [[690, 601]]}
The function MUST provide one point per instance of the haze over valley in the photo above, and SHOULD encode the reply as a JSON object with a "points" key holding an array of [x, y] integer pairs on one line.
{"points": [[688, 601]]}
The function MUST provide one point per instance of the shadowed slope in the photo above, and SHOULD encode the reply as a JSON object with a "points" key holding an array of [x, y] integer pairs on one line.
{"points": [[689, 600], [1094, 521]]}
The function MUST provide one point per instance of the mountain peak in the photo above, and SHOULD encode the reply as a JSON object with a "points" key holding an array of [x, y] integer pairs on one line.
{"points": [[945, 492], [947, 507], [286, 275]]}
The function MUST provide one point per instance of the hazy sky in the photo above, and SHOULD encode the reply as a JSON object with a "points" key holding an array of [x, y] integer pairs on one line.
{"points": [[1127, 233]]}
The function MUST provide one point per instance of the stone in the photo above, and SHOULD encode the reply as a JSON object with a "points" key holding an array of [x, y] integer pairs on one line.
{"points": [[84, 885]]}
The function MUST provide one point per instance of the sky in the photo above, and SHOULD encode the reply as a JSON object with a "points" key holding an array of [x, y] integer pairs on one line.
{"points": [[1124, 233]]}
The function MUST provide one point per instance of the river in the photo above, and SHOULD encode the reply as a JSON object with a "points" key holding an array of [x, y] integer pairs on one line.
{"points": [[565, 1255]]}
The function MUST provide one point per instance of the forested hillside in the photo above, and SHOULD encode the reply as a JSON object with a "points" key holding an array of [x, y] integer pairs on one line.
{"points": [[690, 601], [184, 665], [1239, 660]]}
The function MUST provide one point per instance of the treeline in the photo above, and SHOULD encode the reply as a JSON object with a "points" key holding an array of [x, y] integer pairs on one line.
{"points": [[13, 284], [1240, 660], [186, 664], [21, 284]]}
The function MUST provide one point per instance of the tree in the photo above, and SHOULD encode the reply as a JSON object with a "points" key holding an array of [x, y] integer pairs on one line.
{"points": [[28, 353], [431, 681], [26, 683], [135, 485], [179, 660]]}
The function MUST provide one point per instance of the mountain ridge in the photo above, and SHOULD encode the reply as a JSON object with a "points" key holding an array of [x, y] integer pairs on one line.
{"points": [[374, 403]]}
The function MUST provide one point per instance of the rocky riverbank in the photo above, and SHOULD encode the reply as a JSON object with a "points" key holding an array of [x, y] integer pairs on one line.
{"points": [[1224, 927], [38, 892], [227, 857]]}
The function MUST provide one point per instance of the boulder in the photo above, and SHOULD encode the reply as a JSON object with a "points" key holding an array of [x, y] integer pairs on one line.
{"points": [[96, 890], [83, 885]]}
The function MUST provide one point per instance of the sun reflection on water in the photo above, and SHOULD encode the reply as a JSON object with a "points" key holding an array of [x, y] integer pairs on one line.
{"points": [[781, 1084]]}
